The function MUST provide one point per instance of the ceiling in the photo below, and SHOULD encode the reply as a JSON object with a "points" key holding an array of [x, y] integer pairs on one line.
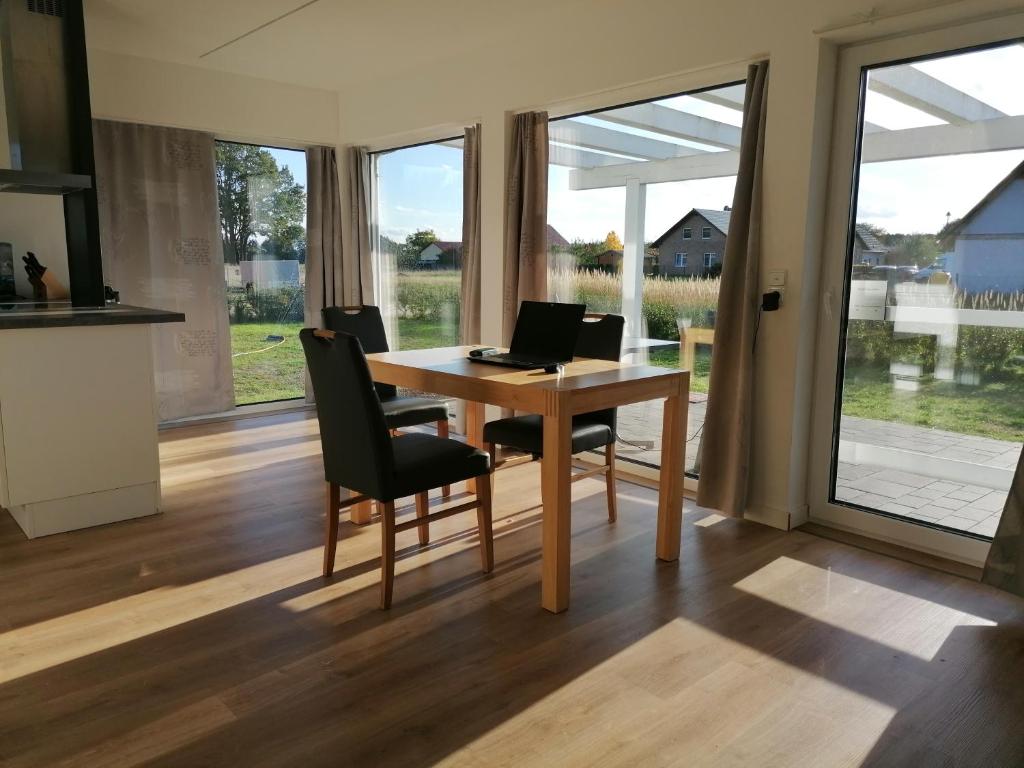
{"points": [[319, 43]]}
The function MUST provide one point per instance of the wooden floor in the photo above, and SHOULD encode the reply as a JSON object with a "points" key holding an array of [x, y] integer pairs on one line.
{"points": [[206, 637]]}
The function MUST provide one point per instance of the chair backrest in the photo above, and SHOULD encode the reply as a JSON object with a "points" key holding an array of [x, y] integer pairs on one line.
{"points": [[365, 323], [354, 437], [601, 339]]}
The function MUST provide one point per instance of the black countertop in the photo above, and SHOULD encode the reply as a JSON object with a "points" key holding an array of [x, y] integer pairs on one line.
{"points": [[62, 315]]}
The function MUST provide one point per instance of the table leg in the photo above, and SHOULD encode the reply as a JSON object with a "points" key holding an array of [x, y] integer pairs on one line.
{"points": [[670, 492], [361, 513], [557, 500], [474, 433]]}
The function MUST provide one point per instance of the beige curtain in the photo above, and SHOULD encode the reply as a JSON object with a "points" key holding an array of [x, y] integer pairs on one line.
{"points": [[161, 244], [1005, 565], [526, 217], [357, 267], [324, 256], [725, 462], [469, 297]]}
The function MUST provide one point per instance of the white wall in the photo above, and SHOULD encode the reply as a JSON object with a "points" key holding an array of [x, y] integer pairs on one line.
{"points": [[603, 53], [231, 106]]}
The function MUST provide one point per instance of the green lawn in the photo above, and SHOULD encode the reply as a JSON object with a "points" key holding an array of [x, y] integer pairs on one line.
{"points": [[271, 374], [992, 409]]}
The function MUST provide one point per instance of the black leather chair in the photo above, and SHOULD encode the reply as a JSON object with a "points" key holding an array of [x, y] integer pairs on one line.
{"points": [[361, 455], [600, 338], [365, 323]]}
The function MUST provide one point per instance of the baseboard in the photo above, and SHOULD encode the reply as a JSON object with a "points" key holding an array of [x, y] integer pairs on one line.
{"points": [[770, 516], [45, 518], [893, 550]]}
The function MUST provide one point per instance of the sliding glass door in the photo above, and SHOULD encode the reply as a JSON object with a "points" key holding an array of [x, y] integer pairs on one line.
{"points": [[638, 215], [928, 385]]}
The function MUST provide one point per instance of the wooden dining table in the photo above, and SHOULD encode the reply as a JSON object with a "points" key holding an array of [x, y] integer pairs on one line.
{"points": [[583, 385]]}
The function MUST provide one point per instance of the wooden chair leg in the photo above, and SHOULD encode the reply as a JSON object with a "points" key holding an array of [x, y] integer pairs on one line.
{"points": [[483, 517], [609, 460], [387, 553], [422, 504], [446, 490], [331, 537]]}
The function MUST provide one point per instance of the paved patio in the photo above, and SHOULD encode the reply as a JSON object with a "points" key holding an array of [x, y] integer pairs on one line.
{"points": [[973, 506]]}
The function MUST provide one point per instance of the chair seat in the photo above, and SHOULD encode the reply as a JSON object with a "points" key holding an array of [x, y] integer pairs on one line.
{"points": [[526, 433], [424, 461], [409, 411]]}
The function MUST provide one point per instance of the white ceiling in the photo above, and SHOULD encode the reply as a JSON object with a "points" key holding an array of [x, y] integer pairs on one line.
{"points": [[323, 43]]}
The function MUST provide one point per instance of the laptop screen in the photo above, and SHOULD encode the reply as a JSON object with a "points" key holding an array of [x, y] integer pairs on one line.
{"points": [[547, 329]]}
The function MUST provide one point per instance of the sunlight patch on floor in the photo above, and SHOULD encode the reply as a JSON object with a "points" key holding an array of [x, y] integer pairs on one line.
{"points": [[46, 644], [237, 463], [684, 690], [857, 606]]}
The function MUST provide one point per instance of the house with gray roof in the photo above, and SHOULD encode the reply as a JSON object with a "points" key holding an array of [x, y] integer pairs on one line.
{"points": [[867, 248], [694, 245]]}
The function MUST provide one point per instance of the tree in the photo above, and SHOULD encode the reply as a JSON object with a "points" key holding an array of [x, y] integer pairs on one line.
{"points": [[410, 250], [583, 253], [612, 242], [262, 207], [915, 249]]}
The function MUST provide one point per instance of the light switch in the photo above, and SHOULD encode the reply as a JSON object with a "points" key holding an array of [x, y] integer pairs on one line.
{"points": [[776, 279]]}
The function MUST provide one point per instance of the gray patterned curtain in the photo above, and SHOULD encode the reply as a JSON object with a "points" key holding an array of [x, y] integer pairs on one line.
{"points": [[357, 266], [725, 442], [160, 236], [469, 297], [526, 217], [324, 269], [1005, 565]]}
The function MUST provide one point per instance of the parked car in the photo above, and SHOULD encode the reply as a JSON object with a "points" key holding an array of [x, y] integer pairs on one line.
{"points": [[936, 271], [892, 274]]}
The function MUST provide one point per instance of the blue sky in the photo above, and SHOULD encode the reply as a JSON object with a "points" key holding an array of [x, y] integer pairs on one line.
{"points": [[420, 188]]}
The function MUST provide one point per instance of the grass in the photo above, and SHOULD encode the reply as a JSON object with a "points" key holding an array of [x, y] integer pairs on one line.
{"points": [[272, 374], [991, 409]]}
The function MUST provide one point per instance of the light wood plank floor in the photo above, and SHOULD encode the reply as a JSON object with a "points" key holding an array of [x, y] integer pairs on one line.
{"points": [[205, 637]]}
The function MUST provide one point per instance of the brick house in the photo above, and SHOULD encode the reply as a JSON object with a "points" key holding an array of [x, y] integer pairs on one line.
{"points": [[694, 244], [611, 261]]}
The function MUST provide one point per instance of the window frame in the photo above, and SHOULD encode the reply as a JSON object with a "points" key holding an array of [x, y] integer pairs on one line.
{"points": [[687, 233], [681, 260], [853, 62], [705, 233], [383, 298], [282, 403]]}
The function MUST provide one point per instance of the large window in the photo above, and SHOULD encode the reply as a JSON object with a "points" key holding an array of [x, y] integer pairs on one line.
{"points": [[418, 242], [262, 197], [628, 186], [929, 418]]}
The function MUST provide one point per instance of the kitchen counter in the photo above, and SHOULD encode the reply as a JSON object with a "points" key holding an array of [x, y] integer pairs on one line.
{"points": [[78, 415], [62, 315]]}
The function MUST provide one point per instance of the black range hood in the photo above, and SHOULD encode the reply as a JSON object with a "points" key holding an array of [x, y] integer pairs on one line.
{"points": [[49, 125], [42, 183]]}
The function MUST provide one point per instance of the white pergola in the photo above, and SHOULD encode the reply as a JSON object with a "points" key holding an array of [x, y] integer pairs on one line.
{"points": [[652, 143]]}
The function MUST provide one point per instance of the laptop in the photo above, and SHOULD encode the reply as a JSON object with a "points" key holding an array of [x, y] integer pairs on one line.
{"points": [[545, 336]]}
